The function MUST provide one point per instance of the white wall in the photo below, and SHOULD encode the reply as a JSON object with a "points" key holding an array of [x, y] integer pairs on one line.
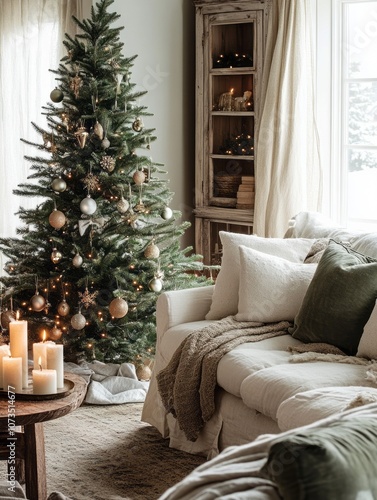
{"points": [[162, 34]]}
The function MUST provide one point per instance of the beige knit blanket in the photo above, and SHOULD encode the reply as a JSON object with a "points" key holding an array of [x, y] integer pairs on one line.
{"points": [[187, 385]]}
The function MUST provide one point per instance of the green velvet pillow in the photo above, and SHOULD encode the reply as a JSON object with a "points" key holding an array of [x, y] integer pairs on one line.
{"points": [[337, 462], [339, 299]]}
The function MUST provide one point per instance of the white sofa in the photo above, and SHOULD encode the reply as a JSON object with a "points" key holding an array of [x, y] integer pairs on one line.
{"points": [[264, 387]]}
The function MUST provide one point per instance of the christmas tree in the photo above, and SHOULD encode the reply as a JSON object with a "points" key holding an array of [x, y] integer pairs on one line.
{"points": [[89, 261]]}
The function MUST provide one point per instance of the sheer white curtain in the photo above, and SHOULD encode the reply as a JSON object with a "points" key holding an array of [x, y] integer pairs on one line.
{"points": [[31, 35], [288, 174]]}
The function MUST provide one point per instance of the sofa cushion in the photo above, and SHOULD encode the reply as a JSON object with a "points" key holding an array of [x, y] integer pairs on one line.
{"points": [[367, 347], [225, 295], [316, 225], [335, 462], [310, 406], [339, 300], [250, 357], [271, 288], [266, 389]]}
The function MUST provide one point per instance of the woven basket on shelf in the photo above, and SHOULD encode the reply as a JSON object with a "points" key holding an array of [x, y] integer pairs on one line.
{"points": [[226, 186]]}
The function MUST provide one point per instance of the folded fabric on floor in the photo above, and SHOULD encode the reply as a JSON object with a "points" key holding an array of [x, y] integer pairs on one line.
{"points": [[110, 383], [187, 385]]}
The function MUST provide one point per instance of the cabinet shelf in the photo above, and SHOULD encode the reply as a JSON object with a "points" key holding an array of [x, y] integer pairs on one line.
{"points": [[232, 71], [232, 113], [230, 157]]}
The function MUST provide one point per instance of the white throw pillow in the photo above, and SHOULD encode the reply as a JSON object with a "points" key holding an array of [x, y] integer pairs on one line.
{"points": [[367, 347], [225, 295], [271, 288]]}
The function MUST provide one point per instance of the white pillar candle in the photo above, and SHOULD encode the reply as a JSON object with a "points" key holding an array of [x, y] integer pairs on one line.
{"points": [[40, 352], [19, 346], [12, 374], [55, 361], [4, 351], [44, 381]]}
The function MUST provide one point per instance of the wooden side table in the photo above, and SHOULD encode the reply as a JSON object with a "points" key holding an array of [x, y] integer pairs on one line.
{"points": [[27, 448]]}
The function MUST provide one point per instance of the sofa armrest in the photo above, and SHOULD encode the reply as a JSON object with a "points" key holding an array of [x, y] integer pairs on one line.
{"points": [[182, 306]]}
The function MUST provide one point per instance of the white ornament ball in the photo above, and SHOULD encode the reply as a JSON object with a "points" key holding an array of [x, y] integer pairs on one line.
{"points": [[152, 251], [63, 308], [59, 185], [155, 285], [78, 321], [105, 143], [123, 205], [167, 213], [118, 308], [38, 302], [139, 177], [57, 219], [77, 260], [56, 256], [88, 206]]}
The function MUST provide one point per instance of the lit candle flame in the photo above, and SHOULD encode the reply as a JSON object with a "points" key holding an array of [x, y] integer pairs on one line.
{"points": [[17, 315], [44, 335]]}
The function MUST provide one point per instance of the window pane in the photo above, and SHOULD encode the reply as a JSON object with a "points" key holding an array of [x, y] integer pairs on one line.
{"points": [[361, 39], [362, 184], [359, 112], [362, 114]]}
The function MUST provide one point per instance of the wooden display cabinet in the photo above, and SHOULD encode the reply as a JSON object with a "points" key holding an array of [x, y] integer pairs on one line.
{"points": [[229, 62]]}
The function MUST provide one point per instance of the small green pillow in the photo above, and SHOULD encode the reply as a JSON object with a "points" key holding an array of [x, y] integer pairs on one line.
{"points": [[339, 299], [337, 462]]}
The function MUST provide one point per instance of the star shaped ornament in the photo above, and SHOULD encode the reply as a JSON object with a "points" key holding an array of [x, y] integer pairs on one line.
{"points": [[88, 299]]}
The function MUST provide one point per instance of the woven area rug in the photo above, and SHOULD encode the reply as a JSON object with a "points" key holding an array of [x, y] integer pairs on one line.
{"points": [[107, 453]]}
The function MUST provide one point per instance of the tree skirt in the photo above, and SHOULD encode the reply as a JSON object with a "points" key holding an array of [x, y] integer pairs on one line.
{"points": [[110, 384]]}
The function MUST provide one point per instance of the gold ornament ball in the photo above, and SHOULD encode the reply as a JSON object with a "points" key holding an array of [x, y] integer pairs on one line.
{"points": [[139, 177], [56, 95], [138, 125], [98, 130], [152, 251], [37, 302], [77, 260], [118, 308], [55, 333], [63, 308], [6, 318], [59, 185], [155, 285], [78, 321], [57, 219], [143, 372], [56, 256], [123, 205]]}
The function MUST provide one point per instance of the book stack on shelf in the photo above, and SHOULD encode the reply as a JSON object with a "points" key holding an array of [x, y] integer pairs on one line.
{"points": [[246, 193]]}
